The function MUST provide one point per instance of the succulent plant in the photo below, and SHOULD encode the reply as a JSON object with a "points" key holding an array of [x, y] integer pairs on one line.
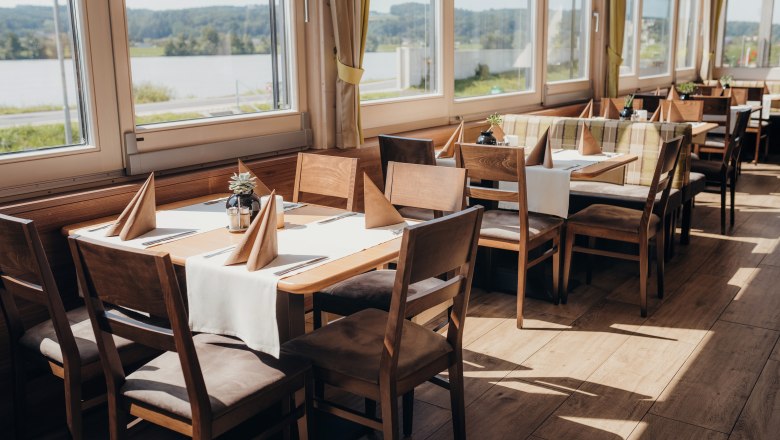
{"points": [[495, 119], [242, 183], [629, 101], [726, 80], [686, 88]]}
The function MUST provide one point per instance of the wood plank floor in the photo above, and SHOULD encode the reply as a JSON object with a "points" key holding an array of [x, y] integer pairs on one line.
{"points": [[704, 365]]}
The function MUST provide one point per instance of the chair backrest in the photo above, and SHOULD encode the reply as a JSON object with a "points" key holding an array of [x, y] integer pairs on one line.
{"points": [[662, 180], [691, 111], [25, 273], [497, 164], [447, 245], [325, 175], [709, 90], [649, 101], [444, 187], [408, 150], [739, 95], [717, 109], [734, 148], [138, 300]]}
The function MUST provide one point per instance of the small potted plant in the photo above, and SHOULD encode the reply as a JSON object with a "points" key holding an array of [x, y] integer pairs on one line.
{"points": [[244, 198], [686, 90], [494, 133], [725, 81], [628, 108]]}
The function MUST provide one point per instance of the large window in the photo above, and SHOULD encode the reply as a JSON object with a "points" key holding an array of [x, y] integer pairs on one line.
{"points": [[741, 36], [654, 41], [567, 39], [629, 38], [192, 59], [41, 99], [774, 48], [686, 34], [494, 47], [401, 50]]}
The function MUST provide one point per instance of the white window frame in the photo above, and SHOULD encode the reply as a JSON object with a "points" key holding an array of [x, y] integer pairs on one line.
{"points": [[415, 112], [576, 82], [634, 81], [683, 71]]}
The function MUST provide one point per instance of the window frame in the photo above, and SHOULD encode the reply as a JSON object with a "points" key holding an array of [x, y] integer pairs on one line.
{"points": [[551, 85], [683, 70]]}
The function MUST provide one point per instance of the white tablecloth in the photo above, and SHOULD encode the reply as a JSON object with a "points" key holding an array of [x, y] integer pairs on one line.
{"points": [[197, 218], [548, 189], [232, 301]]}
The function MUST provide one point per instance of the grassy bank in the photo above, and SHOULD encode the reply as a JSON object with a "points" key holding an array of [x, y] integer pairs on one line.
{"points": [[32, 137]]}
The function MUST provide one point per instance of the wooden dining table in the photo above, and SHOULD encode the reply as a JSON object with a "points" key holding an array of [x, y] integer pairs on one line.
{"points": [[290, 301]]}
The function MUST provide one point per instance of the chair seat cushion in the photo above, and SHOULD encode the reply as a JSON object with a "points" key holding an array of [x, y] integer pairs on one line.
{"points": [[715, 141], [42, 338], [505, 225], [754, 123], [231, 371], [353, 346], [416, 213], [711, 169], [637, 193], [614, 218], [370, 290]]}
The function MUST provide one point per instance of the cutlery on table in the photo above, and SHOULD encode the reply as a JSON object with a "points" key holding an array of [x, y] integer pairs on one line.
{"points": [[219, 252], [338, 217], [168, 238], [291, 206], [299, 266], [214, 202], [100, 227]]}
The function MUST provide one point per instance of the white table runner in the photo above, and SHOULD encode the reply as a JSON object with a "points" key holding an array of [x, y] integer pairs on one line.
{"points": [[172, 225], [232, 301]]}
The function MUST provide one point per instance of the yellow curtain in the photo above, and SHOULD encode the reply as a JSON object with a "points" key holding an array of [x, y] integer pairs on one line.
{"points": [[350, 25], [617, 26], [708, 61]]}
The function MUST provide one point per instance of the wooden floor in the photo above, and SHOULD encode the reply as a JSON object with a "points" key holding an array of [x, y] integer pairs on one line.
{"points": [[705, 364]]}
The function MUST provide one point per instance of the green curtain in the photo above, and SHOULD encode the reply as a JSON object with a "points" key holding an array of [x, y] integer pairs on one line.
{"points": [[350, 26], [708, 61], [617, 26]]}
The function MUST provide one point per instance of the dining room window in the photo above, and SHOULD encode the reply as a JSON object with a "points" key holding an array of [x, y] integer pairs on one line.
{"points": [[494, 44], [629, 38], [42, 96], [686, 34], [655, 46], [568, 32], [741, 34], [193, 59], [401, 58]]}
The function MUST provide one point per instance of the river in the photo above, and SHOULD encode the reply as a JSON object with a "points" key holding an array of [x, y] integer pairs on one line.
{"points": [[26, 83]]}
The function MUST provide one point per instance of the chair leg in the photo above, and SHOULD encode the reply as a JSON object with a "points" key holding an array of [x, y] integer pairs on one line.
{"points": [[556, 275], [659, 244], [685, 226], [408, 412], [643, 262], [723, 206], [311, 424], [72, 384], [316, 313], [19, 398], [389, 415], [733, 198], [117, 419], [568, 244], [589, 261], [457, 401], [522, 272]]}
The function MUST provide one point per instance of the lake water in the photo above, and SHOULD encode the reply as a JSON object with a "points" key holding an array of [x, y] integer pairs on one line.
{"points": [[37, 82]]}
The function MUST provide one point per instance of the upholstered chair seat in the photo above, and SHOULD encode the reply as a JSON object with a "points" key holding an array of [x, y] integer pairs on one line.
{"points": [[709, 168], [613, 218], [505, 225]]}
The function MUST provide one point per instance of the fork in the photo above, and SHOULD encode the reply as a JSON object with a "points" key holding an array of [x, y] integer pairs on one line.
{"points": [[338, 217], [299, 266], [168, 238]]}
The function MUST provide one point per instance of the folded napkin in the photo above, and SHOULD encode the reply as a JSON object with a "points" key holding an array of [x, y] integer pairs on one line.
{"points": [[588, 145], [673, 95], [259, 245], [610, 111], [542, 153], [498, 132], [673, 113], [139, 217], [379, 211], [656, 115], [657, 91], [587, 112], [261, 189], [449, 147]]}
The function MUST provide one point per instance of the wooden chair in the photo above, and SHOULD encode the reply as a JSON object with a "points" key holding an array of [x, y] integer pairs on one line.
{"points": [[407, 150], [649, 101], [628, 225], [691, 111], [65, 343], [716, 109], [619, 103], [709, 90], [381, 356], [520, 231], [444, 192], [203, 385], [324, 175], [723, 174], [759, 124]]}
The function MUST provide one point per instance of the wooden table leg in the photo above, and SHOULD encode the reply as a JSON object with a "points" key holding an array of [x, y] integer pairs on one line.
{"points": [[290, 315]]}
